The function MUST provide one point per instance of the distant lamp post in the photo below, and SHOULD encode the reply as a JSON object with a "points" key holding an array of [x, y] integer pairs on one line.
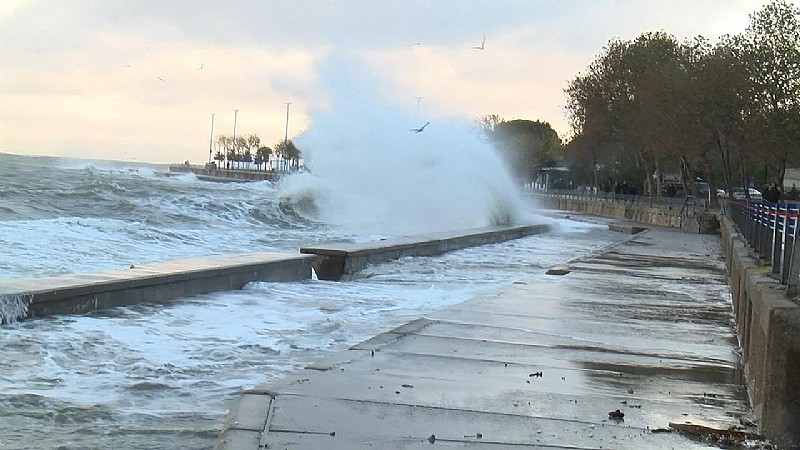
{"points": [[235, 114], [286, 133], [211, 141]]}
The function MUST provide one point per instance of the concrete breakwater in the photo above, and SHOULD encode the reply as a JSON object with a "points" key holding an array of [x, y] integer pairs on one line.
{"points": [[336, 260], [213, 173], [768, 325], [156, 282]]}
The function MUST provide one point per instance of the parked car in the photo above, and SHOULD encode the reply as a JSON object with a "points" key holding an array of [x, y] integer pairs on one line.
{"points": [[739, 193]]}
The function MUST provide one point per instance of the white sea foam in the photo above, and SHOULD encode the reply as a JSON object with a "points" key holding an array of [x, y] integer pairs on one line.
{"points": [[13, 307], [373, 174]]}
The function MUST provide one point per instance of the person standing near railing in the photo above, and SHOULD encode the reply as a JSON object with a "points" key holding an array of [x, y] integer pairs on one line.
{"points": [[792, 194], [773, 193]]}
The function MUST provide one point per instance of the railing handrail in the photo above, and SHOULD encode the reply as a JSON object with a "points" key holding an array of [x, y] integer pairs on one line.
{"points": [[771, 231]]}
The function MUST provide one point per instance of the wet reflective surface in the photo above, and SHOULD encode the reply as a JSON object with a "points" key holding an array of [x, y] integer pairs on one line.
{"points": [[626, 343], [156, 376]]}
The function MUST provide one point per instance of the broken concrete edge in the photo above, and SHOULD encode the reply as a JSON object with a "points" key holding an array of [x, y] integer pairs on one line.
{"points": [[558, 270], [626, 228]]}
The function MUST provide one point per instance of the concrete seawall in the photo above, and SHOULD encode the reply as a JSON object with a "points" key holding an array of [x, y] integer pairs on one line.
{"points": [[333, 261], [211, 173], [622, 210], [155, 282], [768, 325]]}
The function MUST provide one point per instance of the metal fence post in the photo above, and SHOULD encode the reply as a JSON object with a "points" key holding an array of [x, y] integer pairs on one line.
{"points": [[757, 232], [793, 272], [770, 228], [779, 238], [789, 270]]}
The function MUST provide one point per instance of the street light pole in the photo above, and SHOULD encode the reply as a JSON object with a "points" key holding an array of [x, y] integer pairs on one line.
{"points": [[211, 140], [286, 133], [235, 113]]}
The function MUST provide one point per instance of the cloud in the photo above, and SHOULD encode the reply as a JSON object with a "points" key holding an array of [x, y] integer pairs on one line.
{"points": [[81, 75]]}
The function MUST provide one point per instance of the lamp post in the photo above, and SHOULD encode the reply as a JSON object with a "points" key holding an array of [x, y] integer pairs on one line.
{"points": [[235, 114], [286, 133], [211, 140]]}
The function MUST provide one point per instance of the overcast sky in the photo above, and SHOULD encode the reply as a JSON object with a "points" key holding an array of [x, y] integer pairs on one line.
{"points": [[138, 80]]}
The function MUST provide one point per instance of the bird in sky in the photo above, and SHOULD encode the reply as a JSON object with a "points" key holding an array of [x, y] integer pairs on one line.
{"points": [[420, 129], [161, 79], [482, 44], [418, 100]]}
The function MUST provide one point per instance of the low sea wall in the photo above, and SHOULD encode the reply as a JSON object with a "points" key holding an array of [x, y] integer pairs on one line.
{"points": [[688, 217], [335, 260], [212, 173], [154, 282], [768, 325], [22, 298]]}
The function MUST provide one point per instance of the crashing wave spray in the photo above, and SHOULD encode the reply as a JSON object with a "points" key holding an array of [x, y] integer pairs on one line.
{"points": [[373, 173], [14, 307]]}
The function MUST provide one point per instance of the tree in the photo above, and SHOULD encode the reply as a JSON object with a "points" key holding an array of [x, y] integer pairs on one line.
{"points": [[262, 156], [288, 152], [219, 157], [487, 124], [771, 46], [527, 147]]}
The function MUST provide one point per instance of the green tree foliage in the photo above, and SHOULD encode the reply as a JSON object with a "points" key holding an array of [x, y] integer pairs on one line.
{"points": [[653, 105], [771, 50], [526, 145], [486, 125], [236, 152], [262, 155], [288, 152]]}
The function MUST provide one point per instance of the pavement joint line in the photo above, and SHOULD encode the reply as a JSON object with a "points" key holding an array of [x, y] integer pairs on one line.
{"points": [[267, 422], [607, 248], [476, 411], [455, 441], [568, 347], [514, 444], [499, 361]]}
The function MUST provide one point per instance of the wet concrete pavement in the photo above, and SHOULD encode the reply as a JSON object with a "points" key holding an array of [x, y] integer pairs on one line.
{"points": [[645, 328]]}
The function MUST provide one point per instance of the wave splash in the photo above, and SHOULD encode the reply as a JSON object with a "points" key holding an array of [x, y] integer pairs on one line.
{"points": [[376, 171], [14, 307]]}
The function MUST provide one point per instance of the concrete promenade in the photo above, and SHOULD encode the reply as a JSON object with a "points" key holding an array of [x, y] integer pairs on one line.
{"points": [[645, 328]]}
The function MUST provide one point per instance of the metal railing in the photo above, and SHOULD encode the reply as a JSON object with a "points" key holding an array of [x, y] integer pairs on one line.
{"points": [[771, 231]]}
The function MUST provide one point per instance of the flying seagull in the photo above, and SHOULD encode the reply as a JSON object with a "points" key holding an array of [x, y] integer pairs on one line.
{"points": [[420, 129], [482, 44]]}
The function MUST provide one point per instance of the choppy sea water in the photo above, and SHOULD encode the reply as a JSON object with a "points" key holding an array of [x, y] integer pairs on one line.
{"points": [[161, 376]]}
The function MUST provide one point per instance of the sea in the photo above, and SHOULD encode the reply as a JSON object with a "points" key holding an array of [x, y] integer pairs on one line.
{"points": [[162, 376]]}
